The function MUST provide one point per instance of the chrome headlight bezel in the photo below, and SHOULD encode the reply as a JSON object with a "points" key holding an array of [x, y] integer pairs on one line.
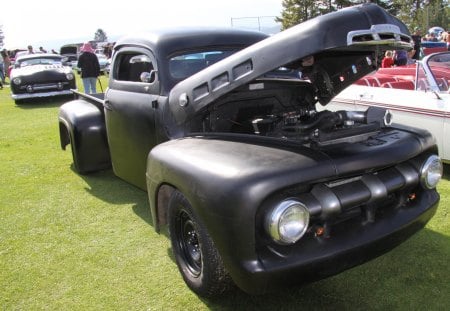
{"points": [[70, 76], [431, 172], [17, 81], [287, 222]]}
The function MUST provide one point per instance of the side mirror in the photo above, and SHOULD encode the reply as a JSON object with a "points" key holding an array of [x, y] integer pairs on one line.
{"points": [[148, 77]]}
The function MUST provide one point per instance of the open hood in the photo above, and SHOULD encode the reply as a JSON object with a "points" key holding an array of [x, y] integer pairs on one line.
{"points": [[334, 50], [69, 49]]}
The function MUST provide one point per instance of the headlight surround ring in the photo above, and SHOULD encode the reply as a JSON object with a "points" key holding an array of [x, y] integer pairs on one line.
{"points": [[70, 76], [431, 172], [287, 222]]}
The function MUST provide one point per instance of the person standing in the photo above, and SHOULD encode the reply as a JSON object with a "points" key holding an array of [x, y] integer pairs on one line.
{"points": [[6, 62], [2, 72], [90, 68], [417, 38], [388, 59], [447, 39], [400, 57]]}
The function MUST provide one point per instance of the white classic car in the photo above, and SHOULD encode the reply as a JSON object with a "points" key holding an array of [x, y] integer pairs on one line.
{"points": [[417, 95]]}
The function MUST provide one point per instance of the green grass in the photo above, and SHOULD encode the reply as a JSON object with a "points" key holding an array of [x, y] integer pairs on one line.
{"points": [[71, 242]]}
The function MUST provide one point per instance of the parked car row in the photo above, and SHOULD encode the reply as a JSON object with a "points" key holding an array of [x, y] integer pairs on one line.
{"points": [[46, 75]]}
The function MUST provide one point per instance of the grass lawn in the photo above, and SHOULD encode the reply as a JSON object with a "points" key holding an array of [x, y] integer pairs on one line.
{"points": [[71, 242]]}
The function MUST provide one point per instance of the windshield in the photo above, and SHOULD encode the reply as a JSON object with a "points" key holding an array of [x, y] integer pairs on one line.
{"points": [[184, 65], [40, 61]]}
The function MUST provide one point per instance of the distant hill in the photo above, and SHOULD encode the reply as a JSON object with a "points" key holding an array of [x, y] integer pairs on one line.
{"points": [[57, 43]]}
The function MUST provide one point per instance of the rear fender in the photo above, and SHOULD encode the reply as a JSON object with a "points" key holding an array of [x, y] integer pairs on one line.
{"points": [[82, 124]]}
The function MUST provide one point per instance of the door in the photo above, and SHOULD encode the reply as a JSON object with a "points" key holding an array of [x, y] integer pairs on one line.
{"points": [[130, 112]]}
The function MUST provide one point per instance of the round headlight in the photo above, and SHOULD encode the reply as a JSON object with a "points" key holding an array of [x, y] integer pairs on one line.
{"points": [[17, 81], [69, 76], [431, 172], [287, 222]]}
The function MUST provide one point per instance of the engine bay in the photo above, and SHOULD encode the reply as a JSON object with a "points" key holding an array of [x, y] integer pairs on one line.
{"points": [[286, 109]]}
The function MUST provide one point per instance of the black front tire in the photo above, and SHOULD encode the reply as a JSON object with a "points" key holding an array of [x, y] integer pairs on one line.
{"points": [[196, 256]]}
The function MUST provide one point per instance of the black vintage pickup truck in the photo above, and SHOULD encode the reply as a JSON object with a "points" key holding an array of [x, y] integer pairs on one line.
{"points": [[257, 185]]}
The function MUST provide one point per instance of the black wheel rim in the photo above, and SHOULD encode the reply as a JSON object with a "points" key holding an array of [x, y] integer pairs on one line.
{"points": [[189, 245]]}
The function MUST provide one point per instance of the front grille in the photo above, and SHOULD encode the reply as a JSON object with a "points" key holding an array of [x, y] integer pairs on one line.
{"points": [[44, 87], [334, 199]]}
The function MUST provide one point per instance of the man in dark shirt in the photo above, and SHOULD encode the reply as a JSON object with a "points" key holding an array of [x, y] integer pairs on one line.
{"points": [[401, 58], [90, 68], [417, 38]]}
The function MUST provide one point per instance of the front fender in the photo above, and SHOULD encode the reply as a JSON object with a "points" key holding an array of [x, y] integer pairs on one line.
{"points": [[82, 124], [226, 182]]}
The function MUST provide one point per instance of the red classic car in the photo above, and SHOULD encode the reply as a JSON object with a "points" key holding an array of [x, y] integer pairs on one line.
{"points": [[417, 94]]}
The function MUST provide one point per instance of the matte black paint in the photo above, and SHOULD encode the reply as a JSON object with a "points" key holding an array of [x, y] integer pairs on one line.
{"points": [[82, 124], [229, 181], [232, 178]]}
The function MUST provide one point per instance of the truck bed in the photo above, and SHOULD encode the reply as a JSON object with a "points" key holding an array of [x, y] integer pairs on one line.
{"points": [[97, 99]]}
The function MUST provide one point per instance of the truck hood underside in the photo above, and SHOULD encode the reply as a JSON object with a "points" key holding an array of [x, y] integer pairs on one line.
{"points": [[332, 50]]}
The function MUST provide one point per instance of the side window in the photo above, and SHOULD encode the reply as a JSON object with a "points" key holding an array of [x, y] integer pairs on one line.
{"points": [[134, 67]]}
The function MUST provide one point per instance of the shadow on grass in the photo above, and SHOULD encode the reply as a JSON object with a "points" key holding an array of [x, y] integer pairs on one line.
{"points": [[413, 276], [109, 188]]}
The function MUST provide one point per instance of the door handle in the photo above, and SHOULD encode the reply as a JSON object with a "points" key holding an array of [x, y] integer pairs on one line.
{"points": [[107, 105]]}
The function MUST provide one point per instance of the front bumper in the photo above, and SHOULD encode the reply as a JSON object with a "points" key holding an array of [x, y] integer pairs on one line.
{"points": [[350, 245], [40, 94]]}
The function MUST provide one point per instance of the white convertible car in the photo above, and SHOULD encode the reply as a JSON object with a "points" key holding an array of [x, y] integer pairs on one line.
{"points": [[417, 95]]}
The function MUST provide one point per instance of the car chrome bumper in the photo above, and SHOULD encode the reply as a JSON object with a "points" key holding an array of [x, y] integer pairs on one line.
{"points": [[43, 94]]}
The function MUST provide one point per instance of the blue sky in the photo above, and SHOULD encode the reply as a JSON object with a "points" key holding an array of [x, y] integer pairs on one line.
{"points": [[68, 21]]}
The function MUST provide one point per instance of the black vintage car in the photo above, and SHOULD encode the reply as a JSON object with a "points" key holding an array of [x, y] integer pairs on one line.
{"points": [[40, 75], [257, 186]]}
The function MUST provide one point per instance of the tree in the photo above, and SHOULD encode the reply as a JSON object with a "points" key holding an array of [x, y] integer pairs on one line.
{"points": [[437, 14], [414, 13], [423, 13], [100, 36], [297, 11], [290, 15]]}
